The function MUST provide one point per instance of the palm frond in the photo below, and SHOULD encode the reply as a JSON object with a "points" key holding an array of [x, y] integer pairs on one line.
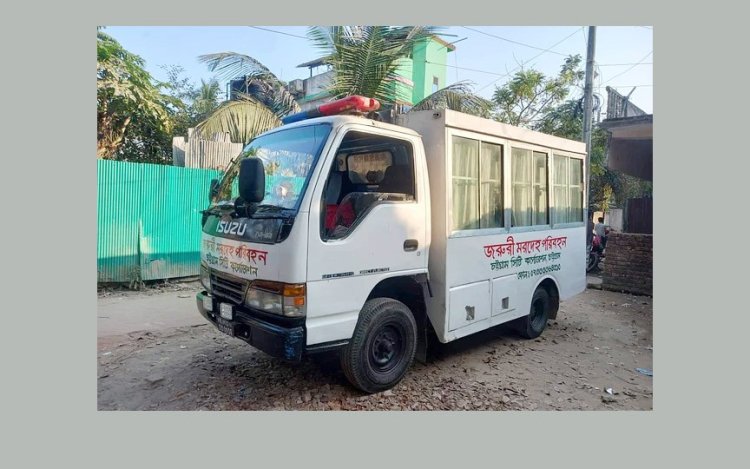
{"points": [[229, 65], [365, 59], [244, 119], [458, 97], [260, 82]]}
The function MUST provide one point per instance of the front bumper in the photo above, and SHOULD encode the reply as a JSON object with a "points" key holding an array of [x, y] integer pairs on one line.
{"points": [[278, 341]]}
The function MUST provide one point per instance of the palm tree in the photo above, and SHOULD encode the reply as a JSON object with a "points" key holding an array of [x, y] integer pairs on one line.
{"points": [[259, 109], [364, 59], [207, 99]]}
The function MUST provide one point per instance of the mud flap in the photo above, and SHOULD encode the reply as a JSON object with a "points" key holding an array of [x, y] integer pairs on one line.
{"points": [[424, 328], [422, 339]]}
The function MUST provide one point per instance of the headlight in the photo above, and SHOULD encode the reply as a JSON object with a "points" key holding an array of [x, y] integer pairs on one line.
{"points": [[205, 278], [277, 298]]}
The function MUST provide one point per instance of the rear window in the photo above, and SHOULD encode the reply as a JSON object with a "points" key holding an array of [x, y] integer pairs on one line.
{"points": [[368, 168]]}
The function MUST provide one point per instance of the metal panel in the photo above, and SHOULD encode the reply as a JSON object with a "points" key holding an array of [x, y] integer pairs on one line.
{"points": [[149, 220], [640, 216], [468, 304], [118, 211]]}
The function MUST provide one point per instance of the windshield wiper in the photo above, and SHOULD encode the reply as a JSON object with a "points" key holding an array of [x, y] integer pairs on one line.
{"points": [[269, 209], [219, 207]]}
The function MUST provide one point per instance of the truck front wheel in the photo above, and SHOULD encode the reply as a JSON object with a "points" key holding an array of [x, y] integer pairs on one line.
{"points": [[383, 346]]}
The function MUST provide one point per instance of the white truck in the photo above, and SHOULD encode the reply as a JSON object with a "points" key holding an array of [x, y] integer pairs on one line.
{"points": [[343, 233]]}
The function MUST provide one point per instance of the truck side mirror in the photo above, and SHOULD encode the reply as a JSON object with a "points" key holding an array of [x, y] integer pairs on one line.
{"points": [[214, 188], [252, 180]]}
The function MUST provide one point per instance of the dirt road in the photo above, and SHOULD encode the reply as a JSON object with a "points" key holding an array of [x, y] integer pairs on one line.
{"points": [[596, 343]]}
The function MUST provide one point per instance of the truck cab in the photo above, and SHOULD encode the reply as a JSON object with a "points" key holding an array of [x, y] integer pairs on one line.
{"points": [[343, 219]]}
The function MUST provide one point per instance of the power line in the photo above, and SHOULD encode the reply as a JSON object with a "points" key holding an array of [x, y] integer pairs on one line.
{"points": [[625, 86], [631, 67], [533, 58], [617, 65], [512, 41], [464, 68], [278, 32]]}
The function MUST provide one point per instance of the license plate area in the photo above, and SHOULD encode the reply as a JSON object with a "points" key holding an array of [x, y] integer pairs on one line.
{"points": [[225, 326]]}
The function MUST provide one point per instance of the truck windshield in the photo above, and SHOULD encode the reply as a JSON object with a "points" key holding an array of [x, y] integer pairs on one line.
{"points": [[288, 158]]}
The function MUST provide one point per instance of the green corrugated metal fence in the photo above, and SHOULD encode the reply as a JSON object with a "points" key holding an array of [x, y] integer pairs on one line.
{"points": [[149, 220]]}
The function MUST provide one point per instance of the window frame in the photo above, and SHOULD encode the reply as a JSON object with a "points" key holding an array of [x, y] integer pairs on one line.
{"points": [[513, 144], [331, 161], [451, 233], [582, 159]]}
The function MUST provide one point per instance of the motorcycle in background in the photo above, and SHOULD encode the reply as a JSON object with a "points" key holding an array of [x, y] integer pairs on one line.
{"points": [[595, 252]]}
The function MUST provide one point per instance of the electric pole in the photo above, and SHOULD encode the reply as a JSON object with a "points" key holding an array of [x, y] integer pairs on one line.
{"points": [[587, 111]]}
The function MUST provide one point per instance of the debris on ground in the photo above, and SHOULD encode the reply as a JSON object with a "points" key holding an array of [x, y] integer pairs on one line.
{"points": [[198, 368]]}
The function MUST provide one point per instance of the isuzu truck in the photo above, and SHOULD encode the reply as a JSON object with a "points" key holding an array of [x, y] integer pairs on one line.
{"points": [[338, 232]]}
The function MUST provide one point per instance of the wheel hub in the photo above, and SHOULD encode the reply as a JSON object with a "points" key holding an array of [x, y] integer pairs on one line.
{"points": [[385, 348]]}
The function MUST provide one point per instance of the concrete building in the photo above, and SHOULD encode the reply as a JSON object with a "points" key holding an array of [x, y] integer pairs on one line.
{"points": [[418, 76], [629, 262]]}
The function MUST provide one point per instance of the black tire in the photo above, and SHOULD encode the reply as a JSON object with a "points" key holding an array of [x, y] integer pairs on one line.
{"points": [[593, 261], [532, 325], [382, 347]]}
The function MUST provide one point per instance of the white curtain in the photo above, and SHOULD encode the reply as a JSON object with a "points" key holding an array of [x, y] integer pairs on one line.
{"points": [[491, 197], [541, 199], [465, 179], [568, 184], [561, 212], [576, 190], [521, 179]]}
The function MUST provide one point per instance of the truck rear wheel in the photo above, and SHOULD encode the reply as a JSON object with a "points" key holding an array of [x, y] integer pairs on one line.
{"points": [[532, 325], [383, 346]]}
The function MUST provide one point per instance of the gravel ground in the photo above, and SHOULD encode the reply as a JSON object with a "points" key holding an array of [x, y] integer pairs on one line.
{"points": [[595, 345]]}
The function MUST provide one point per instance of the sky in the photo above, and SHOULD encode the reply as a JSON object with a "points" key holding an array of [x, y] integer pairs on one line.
{"points": [[485, 55]]}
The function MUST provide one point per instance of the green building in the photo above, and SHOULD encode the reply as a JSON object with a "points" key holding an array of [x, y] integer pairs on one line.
{"points": [[419, 75]]}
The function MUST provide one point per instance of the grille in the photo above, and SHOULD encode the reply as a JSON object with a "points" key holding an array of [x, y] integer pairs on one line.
{"points": [[228, 287]]}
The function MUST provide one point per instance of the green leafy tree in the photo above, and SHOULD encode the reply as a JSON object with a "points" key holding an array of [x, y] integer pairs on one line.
{"points": [[194, 104], [206, 100], [608, 187], [530, 95], [126, 96]]}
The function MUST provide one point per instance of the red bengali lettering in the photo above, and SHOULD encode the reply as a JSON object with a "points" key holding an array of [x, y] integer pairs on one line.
{"points": [[262, 256], [489, 251]]}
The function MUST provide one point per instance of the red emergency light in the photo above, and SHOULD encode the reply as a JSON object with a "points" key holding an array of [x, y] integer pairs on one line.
{"points": [[352, 103]]}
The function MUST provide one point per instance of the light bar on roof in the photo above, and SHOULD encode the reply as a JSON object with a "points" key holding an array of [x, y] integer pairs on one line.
{"points": [[340, 106]]}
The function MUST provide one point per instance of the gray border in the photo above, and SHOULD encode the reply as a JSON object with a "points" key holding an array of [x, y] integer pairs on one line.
{"points": [[51, 344]]}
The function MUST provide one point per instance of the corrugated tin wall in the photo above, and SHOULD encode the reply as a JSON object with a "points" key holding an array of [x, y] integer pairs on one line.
{"points": [[149, 220]]}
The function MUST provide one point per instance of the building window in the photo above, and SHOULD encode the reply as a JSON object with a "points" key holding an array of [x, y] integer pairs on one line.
{"points": [[435, 84], [477, 184], [568, 182], [529, 180]]}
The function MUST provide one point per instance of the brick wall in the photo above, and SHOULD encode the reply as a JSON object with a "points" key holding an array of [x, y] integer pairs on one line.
{"points": [[629, 263]]}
